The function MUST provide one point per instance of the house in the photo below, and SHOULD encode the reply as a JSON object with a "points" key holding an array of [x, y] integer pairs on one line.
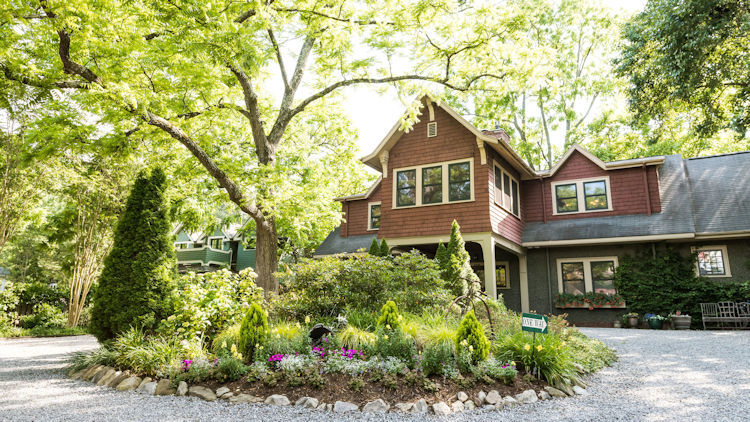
{"points": [[542, 233], [212, 250]]}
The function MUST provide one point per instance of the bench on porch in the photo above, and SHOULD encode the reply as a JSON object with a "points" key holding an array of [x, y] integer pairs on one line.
{"points": [[726, 315]]}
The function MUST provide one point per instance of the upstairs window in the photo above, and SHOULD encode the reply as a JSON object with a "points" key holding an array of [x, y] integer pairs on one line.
{"points": [[434, 184], [506, 191], [182, 245], [374, 216], [406, 182], [216, 243], [578, 196]]}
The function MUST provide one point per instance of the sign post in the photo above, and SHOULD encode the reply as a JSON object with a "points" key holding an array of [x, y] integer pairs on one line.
{"points": [[535, 324]]}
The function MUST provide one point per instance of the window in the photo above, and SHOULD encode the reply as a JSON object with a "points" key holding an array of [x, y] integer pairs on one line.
{"points": [[182, 245], [712, 261], [216, 243], [587, 195], [406, 182], [431, 129], [581, 275], [506, 191], [502, 276], [434, 184], [567, 199], [374, 216]]}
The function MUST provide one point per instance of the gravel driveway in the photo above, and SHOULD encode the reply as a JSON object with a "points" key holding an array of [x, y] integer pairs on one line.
{"points": [[661, 375]]}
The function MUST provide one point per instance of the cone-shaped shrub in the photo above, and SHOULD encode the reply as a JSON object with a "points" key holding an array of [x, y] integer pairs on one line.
{"points": [[443, 260], [458, 269], [136, 279], [374, 247], [470, 336], [253, 330], [385, 250], [389, 316]]}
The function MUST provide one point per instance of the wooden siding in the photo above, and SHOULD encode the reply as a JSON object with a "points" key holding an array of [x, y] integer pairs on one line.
{"points": [[504, 223], [355, 215]]}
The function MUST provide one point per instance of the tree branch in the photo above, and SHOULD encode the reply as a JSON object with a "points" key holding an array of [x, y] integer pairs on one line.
{"points": [[335, 18], [279, 59], [41, 83], [251, 104], [69, 66]]}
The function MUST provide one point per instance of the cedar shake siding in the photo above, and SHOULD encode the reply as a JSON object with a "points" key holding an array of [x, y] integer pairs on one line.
{"points": [[355, 214], [453, 142], [503, 222], [627, 189]]}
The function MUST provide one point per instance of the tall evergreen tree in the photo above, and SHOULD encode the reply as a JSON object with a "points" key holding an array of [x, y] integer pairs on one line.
{"points": [[443, 260], [137, 273], [458, 271], [385, 250], [374, 247]]}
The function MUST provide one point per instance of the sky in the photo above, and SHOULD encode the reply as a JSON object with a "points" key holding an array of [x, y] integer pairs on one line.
{"points": [[374, 114]]}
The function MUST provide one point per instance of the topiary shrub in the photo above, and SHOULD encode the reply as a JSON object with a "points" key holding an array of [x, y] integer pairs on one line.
{"points": [[374, 247], [385, 250], [470, 336], [135, 282], [442, 257], [457, 270], [253, 330], [389, 318]]}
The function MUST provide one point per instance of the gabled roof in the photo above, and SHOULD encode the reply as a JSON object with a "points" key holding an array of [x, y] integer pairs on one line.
{"points": [[498, 142], [612, 165], [364, 195]]}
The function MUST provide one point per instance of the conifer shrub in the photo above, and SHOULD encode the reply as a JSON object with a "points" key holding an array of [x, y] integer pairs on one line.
{"points": [[374, 247], [136, 280], [457, 272], [389, 316], [385, 250], [470, 336], [253, 330], [442, 257]]}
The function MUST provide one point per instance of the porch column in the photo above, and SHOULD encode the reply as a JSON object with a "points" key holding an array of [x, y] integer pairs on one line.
{"points": [[488, 254], [522, 265]]}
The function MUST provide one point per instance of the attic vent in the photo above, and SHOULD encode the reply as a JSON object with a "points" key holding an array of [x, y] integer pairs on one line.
{"points": [[431, 129]]}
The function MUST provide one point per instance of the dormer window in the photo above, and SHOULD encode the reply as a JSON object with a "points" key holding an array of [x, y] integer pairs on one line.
{"points": [[579, 196]]}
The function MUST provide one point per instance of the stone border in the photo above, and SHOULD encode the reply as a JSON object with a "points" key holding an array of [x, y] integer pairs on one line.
{"points": [[123, 381]]}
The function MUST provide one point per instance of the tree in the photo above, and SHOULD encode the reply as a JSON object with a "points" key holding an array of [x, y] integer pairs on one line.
{"points": [[135, 283], [443, 259], [562, 76], [374, 247], [459, 271], [385, 250], [198, 73], [689, 56]]}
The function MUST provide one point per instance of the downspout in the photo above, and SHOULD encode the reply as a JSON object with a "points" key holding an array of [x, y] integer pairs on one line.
{"points": [[645, 187], [544, 200], [549, 283]]}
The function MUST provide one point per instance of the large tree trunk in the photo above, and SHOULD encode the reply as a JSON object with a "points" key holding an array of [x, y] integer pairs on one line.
{"points": [[266, 258]]}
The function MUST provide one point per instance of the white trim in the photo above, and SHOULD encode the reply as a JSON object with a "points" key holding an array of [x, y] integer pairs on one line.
{"points": [[507, 274], [580, 194], [488, 261], [501, 204], [723, 235], [523, 275], [603, 240], [612, 165], [724, 258], [445, 182], [588, 280], [210, 238], [369, 214], [359, 196], [188, 243]]}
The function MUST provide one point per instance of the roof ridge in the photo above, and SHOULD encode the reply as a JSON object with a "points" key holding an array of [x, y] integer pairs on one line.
{"points": [[719, 155]]}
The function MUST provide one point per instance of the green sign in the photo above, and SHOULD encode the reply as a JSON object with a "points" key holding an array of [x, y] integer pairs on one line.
{"points": [[534, 323]]}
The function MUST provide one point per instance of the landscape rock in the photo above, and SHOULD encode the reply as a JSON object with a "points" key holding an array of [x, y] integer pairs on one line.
{"points": [[458, 406], [182, 388], [493, 397], [510, 401], [221, 391], [479, 400], [163, 388], [441, 409], [91, 372], [277, 400], [117, 379], [329, 407], [489, 407], [469, 405], [227, 395], [308, 402], [376, 406], [567, 390], [580, 391], [342, 406], [554, 392], [104, 370], [143, 381], [322, 406], [404, 407], [202, 393], [527, 397], [129, 384], [107, 377], [499, 406], [244, 398], [462, 396], [147, 388], [420, 407], [543, 395]]}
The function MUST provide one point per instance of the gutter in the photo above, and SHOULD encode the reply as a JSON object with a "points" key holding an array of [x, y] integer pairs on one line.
{"points": [[604, 240]]}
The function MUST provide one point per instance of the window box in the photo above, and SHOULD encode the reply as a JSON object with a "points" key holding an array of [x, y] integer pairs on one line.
{"points": [[589, 300]]}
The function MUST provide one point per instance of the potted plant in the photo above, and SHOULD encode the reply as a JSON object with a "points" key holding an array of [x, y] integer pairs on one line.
{"points": [[632, 319], [656, 322], [680, 321]]}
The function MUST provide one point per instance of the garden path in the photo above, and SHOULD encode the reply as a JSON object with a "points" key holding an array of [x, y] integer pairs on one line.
{"points": [[661, 375]]}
